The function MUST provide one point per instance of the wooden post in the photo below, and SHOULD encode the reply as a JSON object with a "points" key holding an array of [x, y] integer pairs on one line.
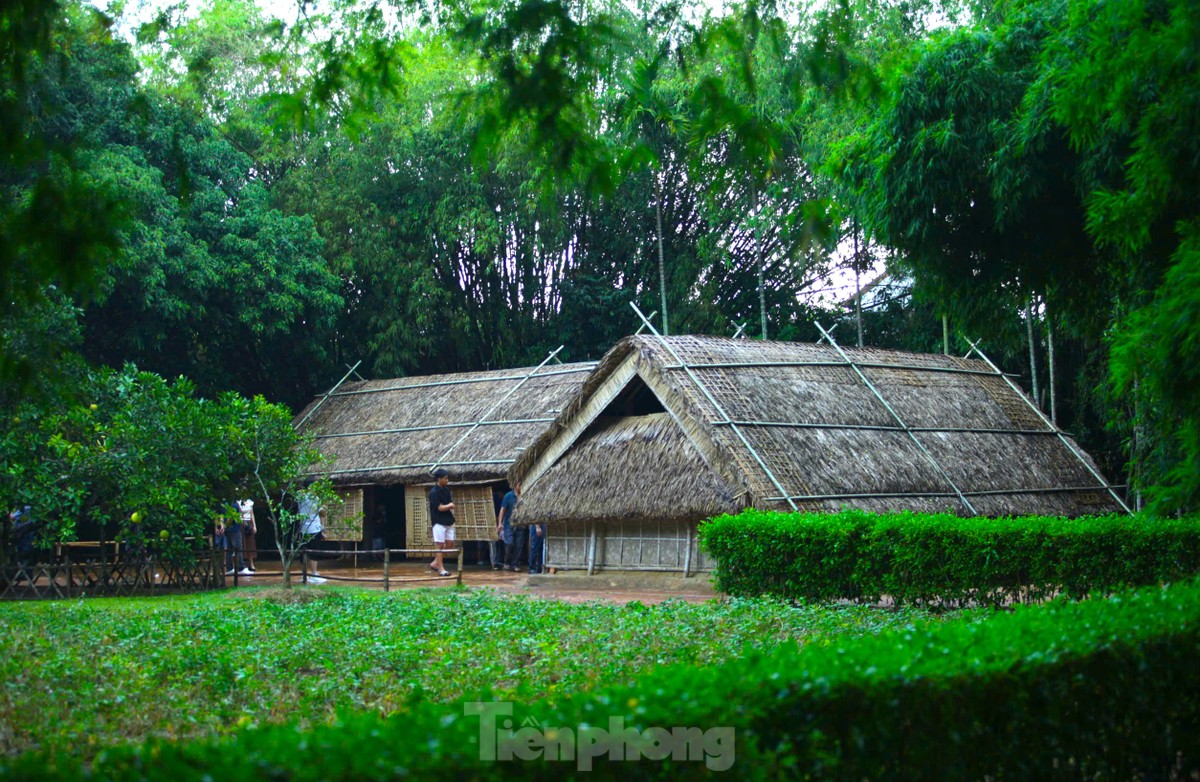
{"points": [[461, 556], [103, 565], [592, 552], [687, 551], [304, 567], [386, 569]]}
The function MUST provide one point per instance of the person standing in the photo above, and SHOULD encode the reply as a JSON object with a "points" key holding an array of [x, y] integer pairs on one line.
{"points": [[537, 547], [503, 532], [234, 542], [441, 515], [514, 542], [379, 530], [23, 528], [312, 527], [219, 541], [249, 534]]}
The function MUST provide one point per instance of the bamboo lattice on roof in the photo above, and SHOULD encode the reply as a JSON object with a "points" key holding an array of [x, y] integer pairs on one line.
{"points": [[937, 433], [398, 430]]}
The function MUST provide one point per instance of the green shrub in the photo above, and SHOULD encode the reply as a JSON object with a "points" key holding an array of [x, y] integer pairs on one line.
{"points": [[942, 558], [1098, 689]]}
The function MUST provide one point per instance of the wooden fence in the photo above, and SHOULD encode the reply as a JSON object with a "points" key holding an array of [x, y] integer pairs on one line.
{"points": [[90, 570], [113, 572]]}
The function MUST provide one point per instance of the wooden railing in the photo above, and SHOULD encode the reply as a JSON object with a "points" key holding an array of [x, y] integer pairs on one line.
{"points": [[112, 572]]}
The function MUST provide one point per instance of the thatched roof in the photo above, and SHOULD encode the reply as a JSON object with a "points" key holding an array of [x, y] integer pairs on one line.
{"points": [[774, 420], [624, 458], [394, 431]]}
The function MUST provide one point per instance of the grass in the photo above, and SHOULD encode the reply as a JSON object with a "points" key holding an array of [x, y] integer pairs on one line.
{"points": [[82, 675]]}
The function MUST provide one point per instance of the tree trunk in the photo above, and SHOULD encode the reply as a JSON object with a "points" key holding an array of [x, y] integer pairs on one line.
{"points": [[758, 254], [1032, 352], [662, 266], [1050, 365], [945, 335], [857, 288]]}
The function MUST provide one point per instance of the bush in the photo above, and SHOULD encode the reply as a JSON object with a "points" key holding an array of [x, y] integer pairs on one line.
{"points": [[1099, 689], [941, 558]]}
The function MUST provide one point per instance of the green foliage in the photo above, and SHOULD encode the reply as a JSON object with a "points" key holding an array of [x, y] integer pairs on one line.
{"points": [[107, 444], [1102, 688], [945, 559], [203, 665], [1148, 208], [57, 223], [1052, 150]]}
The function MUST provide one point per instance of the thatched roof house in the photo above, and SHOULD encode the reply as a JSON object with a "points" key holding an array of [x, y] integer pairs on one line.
{"points": [[669, 431], [387, 436]]}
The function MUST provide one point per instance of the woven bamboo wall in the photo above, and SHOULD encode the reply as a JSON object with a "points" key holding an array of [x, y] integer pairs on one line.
{"points": [[627, 545], [474, 514]]}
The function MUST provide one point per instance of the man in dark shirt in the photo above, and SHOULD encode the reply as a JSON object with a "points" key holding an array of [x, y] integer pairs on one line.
{"points": [[514, 537], [441, 515]]}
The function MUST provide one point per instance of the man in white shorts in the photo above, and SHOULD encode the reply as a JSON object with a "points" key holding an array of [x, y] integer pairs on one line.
{"points": [[441, 514], [312, 528]]}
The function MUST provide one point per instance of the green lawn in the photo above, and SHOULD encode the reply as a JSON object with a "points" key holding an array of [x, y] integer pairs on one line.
{"points": [[78, 676]]}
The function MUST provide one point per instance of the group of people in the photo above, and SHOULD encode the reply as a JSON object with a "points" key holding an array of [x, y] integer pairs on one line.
{"points": [[513, 538], [508, 547], [237, 535]]}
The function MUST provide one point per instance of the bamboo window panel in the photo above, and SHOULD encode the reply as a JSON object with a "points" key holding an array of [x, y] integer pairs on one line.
{"points": [[345, 521], [474, 514]]}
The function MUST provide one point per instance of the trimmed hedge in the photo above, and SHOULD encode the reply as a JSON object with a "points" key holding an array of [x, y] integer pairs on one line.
{"points": [[946, 559], [1098, 689]]}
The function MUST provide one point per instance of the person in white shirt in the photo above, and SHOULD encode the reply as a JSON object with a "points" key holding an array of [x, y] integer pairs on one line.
{"points": [[249, 533], [312, 527]]}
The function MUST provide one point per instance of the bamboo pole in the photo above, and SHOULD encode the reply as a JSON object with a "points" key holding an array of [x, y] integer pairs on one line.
{"points": [[1032, 352], [935, 494], [1050, 364], [916, 440], [720, 410], [328, 394], [758, 255], [880, 427], [662, 264], [865, 364], [592, 551], [1103, 483], [433, 427], [496, 406], [586, 367], [687, 551]]}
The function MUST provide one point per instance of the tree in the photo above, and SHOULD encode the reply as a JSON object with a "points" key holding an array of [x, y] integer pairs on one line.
{"points": [[57, 224], [126, 455], [1006, 166]]}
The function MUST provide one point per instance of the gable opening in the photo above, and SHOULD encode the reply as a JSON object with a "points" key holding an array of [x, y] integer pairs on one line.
{"points": [[635, 398]]}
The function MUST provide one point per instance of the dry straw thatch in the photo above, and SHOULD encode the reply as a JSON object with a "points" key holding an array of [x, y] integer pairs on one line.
{"points": [[806, 426], [616, 468], [387, 432]]}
